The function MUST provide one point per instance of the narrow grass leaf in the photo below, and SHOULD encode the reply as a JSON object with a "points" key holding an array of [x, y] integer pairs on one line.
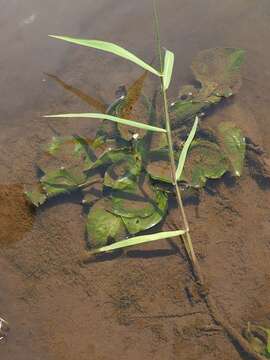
{"points": [[139, 240], [111, 118], [168, 68], [184, 151], [111, 48]]}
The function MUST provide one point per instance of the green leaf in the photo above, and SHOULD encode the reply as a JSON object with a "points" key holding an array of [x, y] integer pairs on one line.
{"points": [[137, 202], [36, 196], [110, 156], [204, 161], [111, 48], [102, 226], [111, 118], [184, 151], [182, 111], [233, 143], [138, 224], [67, 152], [168, 69], [62, 181], [139, 240], [123, 174]]}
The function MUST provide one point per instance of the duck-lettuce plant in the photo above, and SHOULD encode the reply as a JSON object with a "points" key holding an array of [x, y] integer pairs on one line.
{"points": [[133, 158]]}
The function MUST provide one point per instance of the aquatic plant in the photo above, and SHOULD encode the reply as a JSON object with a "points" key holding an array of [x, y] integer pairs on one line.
{"points": [[138, 162], [135, 160]]}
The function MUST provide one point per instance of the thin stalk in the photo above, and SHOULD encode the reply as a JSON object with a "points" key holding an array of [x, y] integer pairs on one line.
{"points": [[157, 34], [186, 237]]}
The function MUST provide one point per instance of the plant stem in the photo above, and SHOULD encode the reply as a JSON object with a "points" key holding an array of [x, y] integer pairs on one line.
{"points": [[186, 238], [157, 34]]}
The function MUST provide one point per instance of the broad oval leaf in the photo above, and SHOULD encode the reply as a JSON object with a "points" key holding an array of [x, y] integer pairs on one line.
{"points": [[111, 118], [233, 143], [218, 70], [138, 224], [168, 69], [137, 202], [111, 48], [159, 166], [123, 174], [205, 160], [139, 240], [103, 226], [67, 152]]}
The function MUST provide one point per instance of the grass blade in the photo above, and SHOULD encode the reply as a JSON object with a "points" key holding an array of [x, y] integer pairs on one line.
{"points": [[168, 69], [138, 240], [111, 118], [111, 48], [184, 151]]}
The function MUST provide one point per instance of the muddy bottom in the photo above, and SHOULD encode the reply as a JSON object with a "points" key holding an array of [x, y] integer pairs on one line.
{"points": [[141, 304]]}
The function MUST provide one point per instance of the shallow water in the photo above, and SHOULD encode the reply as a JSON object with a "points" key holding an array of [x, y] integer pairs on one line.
{"points": [[41, 280]]}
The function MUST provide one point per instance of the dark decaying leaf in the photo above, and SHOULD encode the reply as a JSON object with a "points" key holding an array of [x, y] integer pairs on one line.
{"points": [[91, 101], [233, 144], [218, 70], [133, 106], [204, 161], [159, 166], [102, 226]]}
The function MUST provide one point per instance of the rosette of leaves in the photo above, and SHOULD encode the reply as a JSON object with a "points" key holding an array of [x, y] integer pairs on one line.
{"points": [[131, 158]]}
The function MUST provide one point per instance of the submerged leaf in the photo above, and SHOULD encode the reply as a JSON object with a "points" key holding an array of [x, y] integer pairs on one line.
{"points": [[259, 339], [159, 165], [123, 174], [137, 224], [36, 195], [139, 240], [93, 102], [233, 144], [102, 226], [204, 161], [67, 152], [132, 105], [111, 48], [218, 70], [183, 111], [62, 181], [137, 202]]}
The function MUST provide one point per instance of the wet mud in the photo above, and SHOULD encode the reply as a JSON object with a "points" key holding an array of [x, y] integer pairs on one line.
{"points": [[140, 304]]}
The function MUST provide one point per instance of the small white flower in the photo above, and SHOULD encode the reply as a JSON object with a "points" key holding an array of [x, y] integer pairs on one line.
{"points": [[62, 168], [135, 136]]}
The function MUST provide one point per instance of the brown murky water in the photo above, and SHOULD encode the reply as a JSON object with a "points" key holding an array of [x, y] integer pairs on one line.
{"points": [[134, 306]]}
